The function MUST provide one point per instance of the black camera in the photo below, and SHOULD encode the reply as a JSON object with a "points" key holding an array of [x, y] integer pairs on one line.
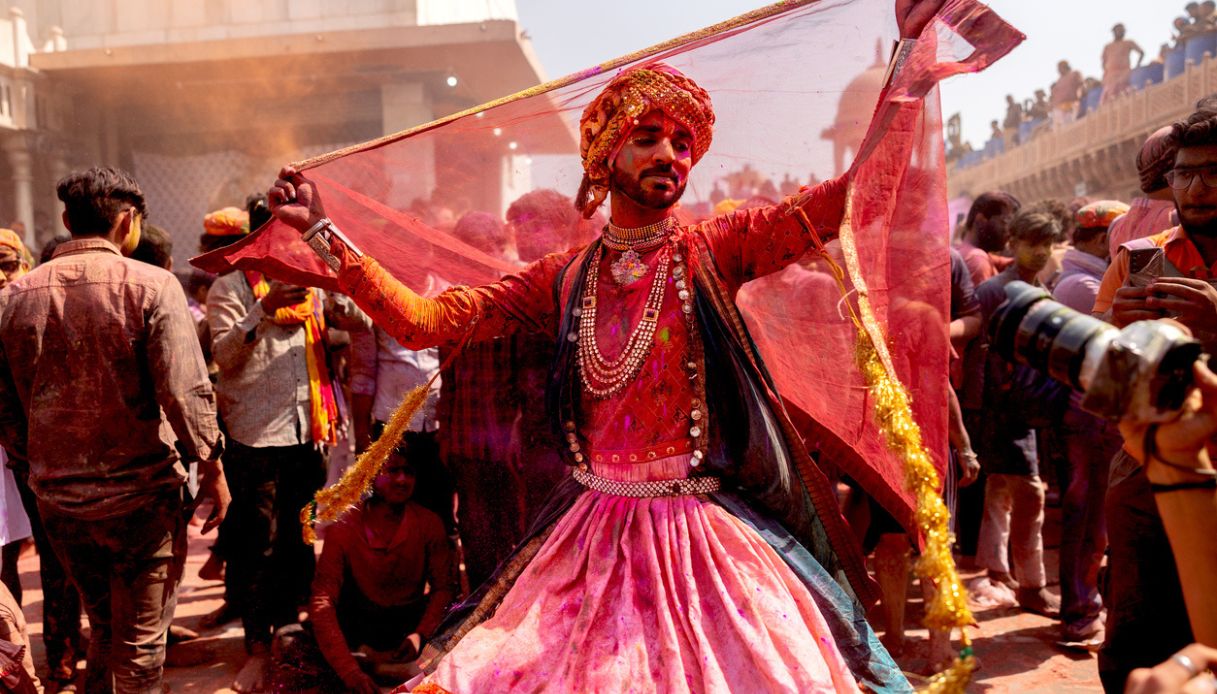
{"points": [[1141, 373]]}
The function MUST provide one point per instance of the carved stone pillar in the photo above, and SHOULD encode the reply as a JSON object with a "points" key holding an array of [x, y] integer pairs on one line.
{"points": [[21, 162], [57, 166]]}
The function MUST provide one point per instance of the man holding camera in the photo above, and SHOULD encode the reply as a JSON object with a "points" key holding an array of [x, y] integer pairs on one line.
{"points": [[1165, 275]]}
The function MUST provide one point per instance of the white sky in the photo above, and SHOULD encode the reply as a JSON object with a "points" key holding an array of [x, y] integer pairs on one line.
{"points": [[570, 35]]}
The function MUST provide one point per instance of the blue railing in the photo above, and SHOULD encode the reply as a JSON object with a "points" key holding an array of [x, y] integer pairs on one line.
{"points": [[1146, 75]]}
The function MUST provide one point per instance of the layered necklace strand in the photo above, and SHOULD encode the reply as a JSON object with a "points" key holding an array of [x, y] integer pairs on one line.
{"points": [[604, 378], [613, 376], [631, 243]]}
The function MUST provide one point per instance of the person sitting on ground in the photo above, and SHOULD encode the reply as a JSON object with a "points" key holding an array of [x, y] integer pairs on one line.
{"points": [[370, 601], [16, 658]]}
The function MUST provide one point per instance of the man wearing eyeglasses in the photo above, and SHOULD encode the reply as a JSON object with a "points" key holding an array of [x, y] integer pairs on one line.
{"points": [[1170, 274]]}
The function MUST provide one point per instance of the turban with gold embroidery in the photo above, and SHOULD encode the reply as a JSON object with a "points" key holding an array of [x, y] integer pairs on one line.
{"points": [[612, 115]]}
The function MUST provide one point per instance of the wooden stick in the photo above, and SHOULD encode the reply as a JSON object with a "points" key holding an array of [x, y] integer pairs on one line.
{"points": [[733, 23]]}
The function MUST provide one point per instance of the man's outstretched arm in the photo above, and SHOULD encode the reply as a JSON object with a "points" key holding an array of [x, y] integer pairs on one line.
{"points": [[754, 243], [518, 302]]}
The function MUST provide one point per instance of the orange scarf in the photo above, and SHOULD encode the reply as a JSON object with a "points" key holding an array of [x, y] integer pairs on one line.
{"points": [[322, 396]]}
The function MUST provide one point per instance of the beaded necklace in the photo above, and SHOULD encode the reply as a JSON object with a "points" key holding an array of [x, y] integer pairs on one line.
{"points": [[630, 242], [602, 379]]}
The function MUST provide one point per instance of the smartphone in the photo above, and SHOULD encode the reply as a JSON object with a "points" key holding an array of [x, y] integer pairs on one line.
{"points": [[1144, 266]]}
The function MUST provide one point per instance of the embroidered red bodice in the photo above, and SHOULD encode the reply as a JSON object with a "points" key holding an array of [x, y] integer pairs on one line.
{"points": [[651, 415]]}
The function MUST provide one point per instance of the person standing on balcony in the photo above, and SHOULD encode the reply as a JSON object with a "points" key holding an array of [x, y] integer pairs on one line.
{"points": [[1066, 93], [1117, 63], [995, 132], [1014, 118]]}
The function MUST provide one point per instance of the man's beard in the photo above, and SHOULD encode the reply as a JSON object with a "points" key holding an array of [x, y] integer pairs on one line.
{"points": [[653, 199], [1207, 228]]}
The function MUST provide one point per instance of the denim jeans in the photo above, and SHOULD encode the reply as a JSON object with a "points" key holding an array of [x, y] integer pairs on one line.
{"points": [[1090, 443], [270, 569]]}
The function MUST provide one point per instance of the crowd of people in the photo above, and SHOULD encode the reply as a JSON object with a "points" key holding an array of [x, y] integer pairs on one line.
{"points": [[1073, 95], [135, 401], [1119, 590], [299, 376], [288, 363]]}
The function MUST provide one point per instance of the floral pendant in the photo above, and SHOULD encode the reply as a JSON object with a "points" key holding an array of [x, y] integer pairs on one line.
{"points": [[628, 268]]}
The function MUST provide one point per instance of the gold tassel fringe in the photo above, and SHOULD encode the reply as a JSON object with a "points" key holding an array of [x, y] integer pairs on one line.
{"points": [[948, 607], [330, 503]]}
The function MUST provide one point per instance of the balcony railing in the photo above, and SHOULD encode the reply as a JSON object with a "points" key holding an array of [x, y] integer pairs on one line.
{"points": [[1131, 115]]}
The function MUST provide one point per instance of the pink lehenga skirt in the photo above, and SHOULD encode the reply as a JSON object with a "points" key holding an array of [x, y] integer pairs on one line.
{"points": [[667, 594]]}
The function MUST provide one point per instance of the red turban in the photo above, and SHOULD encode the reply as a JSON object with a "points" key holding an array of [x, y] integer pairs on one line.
{"points": [[610, 118], [1157, 156]]}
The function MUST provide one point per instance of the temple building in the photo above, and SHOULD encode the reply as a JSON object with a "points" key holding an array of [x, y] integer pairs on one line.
{"points": [[203, 100]]}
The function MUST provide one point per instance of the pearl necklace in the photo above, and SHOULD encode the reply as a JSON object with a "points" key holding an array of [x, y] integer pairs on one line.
{"points": [[625, 368], [604, 378]]}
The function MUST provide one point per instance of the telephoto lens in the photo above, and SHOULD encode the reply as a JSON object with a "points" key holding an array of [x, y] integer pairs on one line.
{"points": [[1140, 373]]}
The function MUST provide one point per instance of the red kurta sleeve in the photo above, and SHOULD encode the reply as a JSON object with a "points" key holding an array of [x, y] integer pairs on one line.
{"points": [[323, 606], [753, 243], [522, 302]]}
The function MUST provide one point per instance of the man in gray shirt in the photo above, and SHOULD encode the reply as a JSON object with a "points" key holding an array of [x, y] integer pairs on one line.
{"points": [[278, 403]]}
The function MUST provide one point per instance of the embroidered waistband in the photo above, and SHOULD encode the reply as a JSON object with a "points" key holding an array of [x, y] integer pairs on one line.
{"points": [[640, 490], [639, 455]]}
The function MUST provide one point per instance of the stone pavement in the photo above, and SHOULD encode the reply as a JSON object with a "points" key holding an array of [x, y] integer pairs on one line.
{"points": [[1018, 651]]}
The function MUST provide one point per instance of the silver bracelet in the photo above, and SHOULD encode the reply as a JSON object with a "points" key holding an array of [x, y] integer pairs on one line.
{"points": [[321, 236]]}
